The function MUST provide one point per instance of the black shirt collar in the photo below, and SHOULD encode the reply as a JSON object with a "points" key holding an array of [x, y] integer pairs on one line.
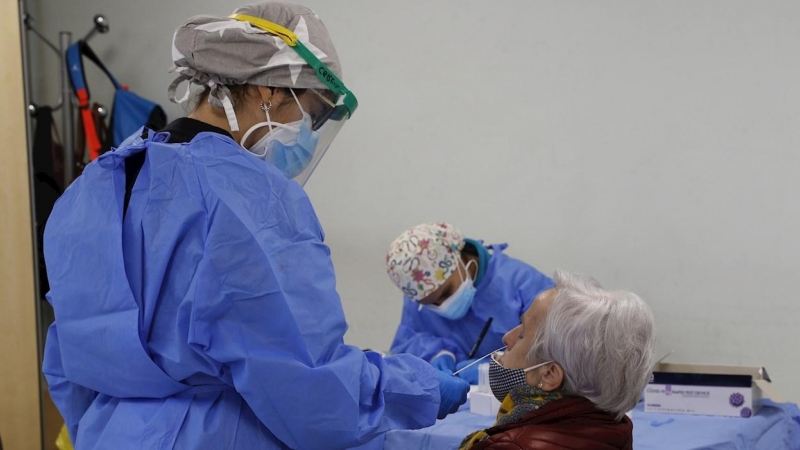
{"points": [[185, 129]]}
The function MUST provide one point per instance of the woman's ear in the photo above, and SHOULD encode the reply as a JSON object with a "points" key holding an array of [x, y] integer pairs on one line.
{"points": [[266, 94], [552, 377], [281, 104]]}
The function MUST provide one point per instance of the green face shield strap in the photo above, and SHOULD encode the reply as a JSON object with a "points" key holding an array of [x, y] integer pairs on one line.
{"points": [[325, 75]]}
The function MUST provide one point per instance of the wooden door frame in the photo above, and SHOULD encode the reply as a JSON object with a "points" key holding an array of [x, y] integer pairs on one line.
{"points": [[20, 397]]}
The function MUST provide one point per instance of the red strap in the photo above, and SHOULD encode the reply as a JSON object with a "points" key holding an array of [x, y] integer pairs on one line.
{"points": [[92, 141], [83, 98]]}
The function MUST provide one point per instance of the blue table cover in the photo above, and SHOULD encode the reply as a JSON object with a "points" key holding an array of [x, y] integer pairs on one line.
{"points": [[775, 427]]}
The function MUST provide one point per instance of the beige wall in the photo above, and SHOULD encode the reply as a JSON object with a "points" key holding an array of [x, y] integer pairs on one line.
{"points": [[19, 371]]}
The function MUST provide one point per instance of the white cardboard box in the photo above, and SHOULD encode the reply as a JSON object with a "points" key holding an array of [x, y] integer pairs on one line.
{"points": [[732, 391], [483, 403]]}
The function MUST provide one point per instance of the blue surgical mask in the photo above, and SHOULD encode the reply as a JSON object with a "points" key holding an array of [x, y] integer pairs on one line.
{"points": [[457, 306], [288, 146]]}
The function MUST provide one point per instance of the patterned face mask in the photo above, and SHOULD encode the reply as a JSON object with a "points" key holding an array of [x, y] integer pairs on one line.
{"points": [[502, 380]]}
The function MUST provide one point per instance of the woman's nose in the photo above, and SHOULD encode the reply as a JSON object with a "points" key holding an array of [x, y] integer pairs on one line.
{"points": [[510, 338]]}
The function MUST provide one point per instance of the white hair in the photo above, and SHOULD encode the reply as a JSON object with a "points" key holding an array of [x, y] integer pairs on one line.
{"points": [[604, 341]]}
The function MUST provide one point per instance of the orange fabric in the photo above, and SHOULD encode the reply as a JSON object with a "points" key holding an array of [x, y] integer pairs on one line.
{"points": [[92, 141]]}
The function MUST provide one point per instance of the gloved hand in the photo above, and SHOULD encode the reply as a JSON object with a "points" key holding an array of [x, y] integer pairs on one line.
{"points": [[453, 393], [444, 361], [470, 375]]}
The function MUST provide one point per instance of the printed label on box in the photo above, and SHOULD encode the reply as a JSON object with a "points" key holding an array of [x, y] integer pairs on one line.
{"points": [[707, 400]]}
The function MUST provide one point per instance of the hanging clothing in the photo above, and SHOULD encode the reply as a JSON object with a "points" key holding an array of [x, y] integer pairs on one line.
{"points": [[504, 291], [202, 312], [128, 113], [47, 182]]}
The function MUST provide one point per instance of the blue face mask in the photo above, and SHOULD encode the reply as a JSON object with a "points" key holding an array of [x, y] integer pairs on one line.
{"points": [[288, 146], [457, 306], [291, 149]]}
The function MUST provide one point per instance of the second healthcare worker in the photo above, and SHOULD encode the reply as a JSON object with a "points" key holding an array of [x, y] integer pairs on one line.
{"points": [[454, 288]]}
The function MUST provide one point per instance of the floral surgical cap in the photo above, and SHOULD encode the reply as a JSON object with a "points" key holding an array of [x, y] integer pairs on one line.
{"points": [[423, 257]]}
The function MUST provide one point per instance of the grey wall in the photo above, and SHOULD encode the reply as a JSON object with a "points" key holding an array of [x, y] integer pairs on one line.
{"points": [[653, 145]]}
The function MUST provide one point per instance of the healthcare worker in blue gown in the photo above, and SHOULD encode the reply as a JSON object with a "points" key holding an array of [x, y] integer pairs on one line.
{"points": [[452, 286], [195, 300]]}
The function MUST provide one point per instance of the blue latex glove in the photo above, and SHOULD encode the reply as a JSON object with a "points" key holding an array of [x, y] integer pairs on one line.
{"points": [[469, 375], [453, 393], [445, 362]]}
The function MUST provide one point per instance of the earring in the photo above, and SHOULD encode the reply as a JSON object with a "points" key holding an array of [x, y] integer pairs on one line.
{"points": [[540, 386], [266, 107]]}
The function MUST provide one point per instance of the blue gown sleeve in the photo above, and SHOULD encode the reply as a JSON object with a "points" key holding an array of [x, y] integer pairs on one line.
{"points": [[267, 309], [412, 338], [72, 400]]}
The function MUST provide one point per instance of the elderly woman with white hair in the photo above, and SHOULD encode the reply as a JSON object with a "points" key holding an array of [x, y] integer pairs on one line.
{"points": [[578, 361]]}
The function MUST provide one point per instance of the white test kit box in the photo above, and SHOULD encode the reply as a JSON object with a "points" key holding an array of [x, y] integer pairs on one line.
{"points": [[481, 399], [730, 391], [483, 403]]}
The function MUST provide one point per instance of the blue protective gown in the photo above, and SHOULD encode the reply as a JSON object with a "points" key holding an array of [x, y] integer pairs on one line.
{"points": [[208, 317], [506, 291]]}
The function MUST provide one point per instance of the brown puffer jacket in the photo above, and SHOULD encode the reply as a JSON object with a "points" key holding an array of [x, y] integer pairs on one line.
{"points": [[571, 423]]}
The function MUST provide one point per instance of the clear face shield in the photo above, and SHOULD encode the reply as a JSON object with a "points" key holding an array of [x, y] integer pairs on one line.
{"points": [[325, 125], [331, 117]]}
